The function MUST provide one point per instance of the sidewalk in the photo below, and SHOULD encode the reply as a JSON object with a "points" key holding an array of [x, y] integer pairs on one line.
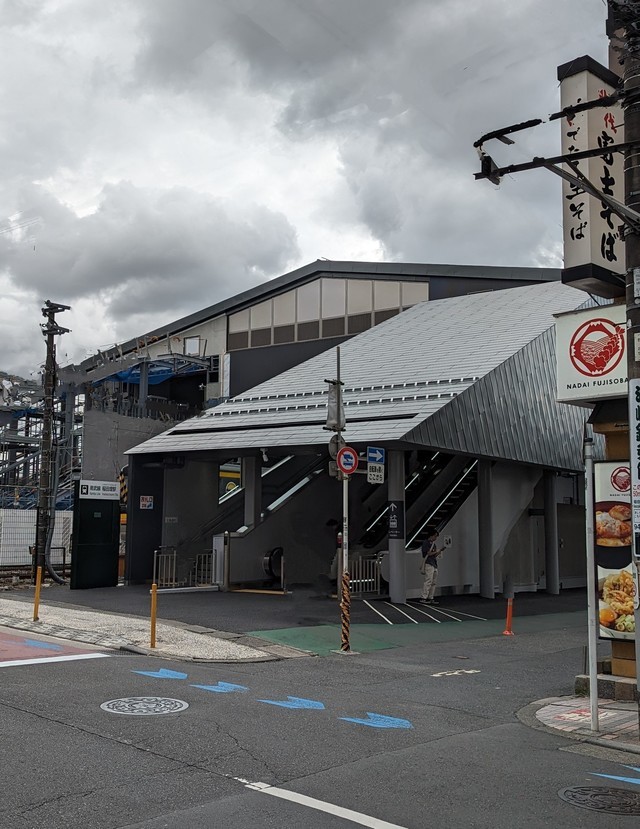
{"points": [[129, 633], [618, 721]]}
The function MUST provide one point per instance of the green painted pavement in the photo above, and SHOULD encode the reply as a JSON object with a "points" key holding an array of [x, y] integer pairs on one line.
{"points": [[325, 639]]}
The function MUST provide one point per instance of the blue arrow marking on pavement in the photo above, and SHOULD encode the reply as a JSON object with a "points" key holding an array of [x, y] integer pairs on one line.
{"points": [[34, 643], [294, 702], [222, 688], [162, 674], [379, 721], [635, 780]]}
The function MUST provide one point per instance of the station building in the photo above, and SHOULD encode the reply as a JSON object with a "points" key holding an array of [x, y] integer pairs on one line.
{"points": [[461, 395]]}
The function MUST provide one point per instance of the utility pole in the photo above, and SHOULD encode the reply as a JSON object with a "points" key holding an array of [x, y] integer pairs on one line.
{"points": [[626, 18], [50, 329]]}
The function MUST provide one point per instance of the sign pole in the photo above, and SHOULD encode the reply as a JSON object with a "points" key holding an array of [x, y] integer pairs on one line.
{"points": [[592, 589]]}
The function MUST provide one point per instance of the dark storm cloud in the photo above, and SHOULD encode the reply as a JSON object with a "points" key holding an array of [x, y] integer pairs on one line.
{"points": [[403, 89], [167, 249]]}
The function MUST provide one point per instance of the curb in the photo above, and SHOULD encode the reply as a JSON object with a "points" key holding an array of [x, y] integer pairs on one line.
{"points": [[272, 653], [527, 716]]}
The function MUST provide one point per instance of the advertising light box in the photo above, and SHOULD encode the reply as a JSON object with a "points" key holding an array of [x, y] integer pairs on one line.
{"points": [[591, 354]]}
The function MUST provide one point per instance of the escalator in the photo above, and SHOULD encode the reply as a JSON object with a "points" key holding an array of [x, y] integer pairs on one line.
{"points": [[434, 491]]}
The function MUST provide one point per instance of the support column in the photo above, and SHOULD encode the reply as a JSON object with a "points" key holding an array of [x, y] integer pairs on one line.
{"points": [[397, 540], [551, 560], [144, 384], [252, 482], [485, 531]]}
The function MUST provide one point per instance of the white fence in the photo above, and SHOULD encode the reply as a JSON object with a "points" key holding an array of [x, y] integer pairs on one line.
{"points": [[18, 533]]}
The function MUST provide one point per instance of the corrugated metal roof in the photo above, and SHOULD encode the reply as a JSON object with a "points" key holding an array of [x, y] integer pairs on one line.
{"points": [[437, 358]]}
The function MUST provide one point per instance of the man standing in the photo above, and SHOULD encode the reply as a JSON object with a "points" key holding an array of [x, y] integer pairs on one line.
{"points": [[429, 567]]}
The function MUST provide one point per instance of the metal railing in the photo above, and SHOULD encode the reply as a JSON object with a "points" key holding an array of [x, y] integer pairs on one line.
{"points": [[202, 574], [165, 567], [364, 576], [171, 572]]}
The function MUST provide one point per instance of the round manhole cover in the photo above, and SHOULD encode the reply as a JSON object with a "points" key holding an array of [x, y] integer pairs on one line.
{"points": [[603, 799], [144, 706]]}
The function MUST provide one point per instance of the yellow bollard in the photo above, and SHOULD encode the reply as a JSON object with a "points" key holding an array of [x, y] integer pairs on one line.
{"points": [[36, 601], [154, 609]]}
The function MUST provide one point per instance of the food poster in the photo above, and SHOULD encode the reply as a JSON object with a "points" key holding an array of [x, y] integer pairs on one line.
{"points": [[617, 592]]}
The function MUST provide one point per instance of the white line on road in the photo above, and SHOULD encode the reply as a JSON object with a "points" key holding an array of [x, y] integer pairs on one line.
{"points": [[320, 805], [433, 618], [41, 660], [470, 615], [395, 607], [388, 621], [444, 613]]}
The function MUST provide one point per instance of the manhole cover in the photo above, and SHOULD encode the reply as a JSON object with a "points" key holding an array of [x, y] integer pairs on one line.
{"points": [[602, 799], [144, 706]]}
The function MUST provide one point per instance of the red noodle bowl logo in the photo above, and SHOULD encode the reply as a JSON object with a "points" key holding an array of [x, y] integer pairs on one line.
{"points": [[597, 347], [621, 479]]}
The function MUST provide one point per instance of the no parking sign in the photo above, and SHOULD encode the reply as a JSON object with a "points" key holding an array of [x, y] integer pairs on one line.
{"points": [[347, 460]]}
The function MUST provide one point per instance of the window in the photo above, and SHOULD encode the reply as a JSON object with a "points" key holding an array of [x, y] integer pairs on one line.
{"points": [[192, 346]]}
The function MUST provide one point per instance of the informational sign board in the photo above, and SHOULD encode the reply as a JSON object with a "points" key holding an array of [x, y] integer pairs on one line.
{"points": [[593, 234], [100, 490], [375, 455], [375, 473], [347, 460], [396, 519], [616, 585], [146, 502], [591, 354]]}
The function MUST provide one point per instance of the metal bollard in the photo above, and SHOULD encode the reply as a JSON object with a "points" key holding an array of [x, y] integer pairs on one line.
{"points": [[36, 600]]}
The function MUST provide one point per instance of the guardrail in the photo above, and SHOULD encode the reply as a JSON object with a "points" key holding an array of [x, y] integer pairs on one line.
{"points": [[364, 576]]}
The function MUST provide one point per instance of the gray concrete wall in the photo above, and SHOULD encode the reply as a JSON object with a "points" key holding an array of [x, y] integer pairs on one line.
{"points": [[107, 436]]}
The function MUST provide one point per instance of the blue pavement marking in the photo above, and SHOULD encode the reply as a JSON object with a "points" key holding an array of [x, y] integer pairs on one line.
{"points": [[294, 702], [379, 721], [162, 674], [634, 780], [35, 643], [222, 688]]}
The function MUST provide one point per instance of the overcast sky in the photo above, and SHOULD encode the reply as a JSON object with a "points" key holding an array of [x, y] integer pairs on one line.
{"points": [[158, 156]]}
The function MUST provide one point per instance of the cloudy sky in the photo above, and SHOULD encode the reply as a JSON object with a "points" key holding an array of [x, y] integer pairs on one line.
{"points": [[160, 155]]}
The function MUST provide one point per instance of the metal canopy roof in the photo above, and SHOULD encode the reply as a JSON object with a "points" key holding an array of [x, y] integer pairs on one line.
{"points": [[472, 374]]}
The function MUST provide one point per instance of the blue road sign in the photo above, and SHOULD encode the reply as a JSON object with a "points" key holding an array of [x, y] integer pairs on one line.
{"points": [[375, 454], [347, 460]]}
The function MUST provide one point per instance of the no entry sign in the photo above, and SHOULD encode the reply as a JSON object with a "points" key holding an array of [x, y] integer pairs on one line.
{"points": [[347, 460]]}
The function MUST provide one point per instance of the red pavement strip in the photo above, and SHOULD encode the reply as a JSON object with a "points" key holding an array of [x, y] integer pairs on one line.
{"points": [[29, 649]]}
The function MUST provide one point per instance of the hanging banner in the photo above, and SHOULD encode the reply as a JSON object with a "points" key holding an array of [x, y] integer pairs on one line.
{"points": [[593, 234], [617, 590], [591, 354]]}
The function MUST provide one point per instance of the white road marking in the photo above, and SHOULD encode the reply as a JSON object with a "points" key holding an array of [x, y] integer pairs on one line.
{"points": [[459, 672], [388, 621], [433, 618], [470, 615], [444, 613], [41, 660], [395, 607], [320, 805]]}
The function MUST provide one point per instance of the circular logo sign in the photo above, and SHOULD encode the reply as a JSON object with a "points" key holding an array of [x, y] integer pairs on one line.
{"points": [[347, 460], [597, 347], [621, 479]]}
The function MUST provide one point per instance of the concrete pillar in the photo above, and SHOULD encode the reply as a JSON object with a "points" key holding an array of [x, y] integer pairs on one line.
{"points": [[144, 383], [551, 559], [252, 482], [485, 531], [395, 489]]}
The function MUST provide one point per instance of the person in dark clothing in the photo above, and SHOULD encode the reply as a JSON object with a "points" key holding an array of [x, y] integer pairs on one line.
{"points": [[429, 568]]}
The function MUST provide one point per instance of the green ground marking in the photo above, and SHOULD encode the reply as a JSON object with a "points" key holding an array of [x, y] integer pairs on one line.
{"points": [[325, 639]]}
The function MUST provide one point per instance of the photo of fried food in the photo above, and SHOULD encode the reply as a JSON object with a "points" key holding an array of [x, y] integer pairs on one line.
{"points": [[617, 596], [613, 530], [621, 512]]}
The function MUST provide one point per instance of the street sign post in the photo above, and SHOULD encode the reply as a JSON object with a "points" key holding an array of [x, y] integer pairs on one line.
{"points": [[347, 460], [375, 473]]}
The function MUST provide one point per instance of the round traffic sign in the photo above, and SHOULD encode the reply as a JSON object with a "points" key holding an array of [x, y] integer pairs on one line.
{"points": [[347, 460]]}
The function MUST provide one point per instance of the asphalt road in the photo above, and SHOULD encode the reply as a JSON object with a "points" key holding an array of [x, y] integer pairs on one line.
{"points": [[457, 756]]}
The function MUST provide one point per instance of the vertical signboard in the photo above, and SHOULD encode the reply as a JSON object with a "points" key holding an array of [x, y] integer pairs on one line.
{"points": [[617, 589], [593, 237]]}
